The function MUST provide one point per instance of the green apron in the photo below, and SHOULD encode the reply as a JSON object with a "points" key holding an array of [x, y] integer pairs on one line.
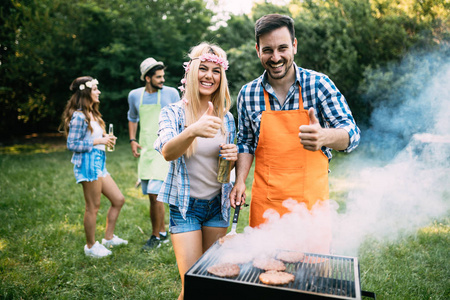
{"points": [[152, 164]]}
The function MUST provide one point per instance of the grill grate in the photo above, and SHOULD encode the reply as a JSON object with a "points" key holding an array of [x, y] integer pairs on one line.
{"points": [[318, 277]]}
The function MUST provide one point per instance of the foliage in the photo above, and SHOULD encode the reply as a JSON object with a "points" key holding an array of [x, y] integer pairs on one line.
{"points": [[344, 38], [50, 43], [397, 83], [45, 44], [238, 38]]}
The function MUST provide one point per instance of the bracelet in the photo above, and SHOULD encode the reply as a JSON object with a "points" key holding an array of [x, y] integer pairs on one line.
{"points": [[132, 140]]}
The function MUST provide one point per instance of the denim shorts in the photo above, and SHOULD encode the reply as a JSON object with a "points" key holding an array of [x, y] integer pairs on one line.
{"points": [[93, 166], [200, 213], [151, 186]]}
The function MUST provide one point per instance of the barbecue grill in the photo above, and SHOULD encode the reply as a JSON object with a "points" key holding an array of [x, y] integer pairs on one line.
{"points": [[316, 277]]}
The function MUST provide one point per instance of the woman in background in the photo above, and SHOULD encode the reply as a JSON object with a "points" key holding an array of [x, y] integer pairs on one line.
{"points": [[192, 135], [87, 138]]}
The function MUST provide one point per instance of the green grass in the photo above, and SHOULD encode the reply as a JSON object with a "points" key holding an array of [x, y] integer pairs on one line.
{"points": [[417, 267], [42, 239]]}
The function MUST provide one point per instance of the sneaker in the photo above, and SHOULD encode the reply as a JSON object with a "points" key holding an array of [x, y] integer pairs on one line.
{"points": [[164, 238], [97, 250], [152, 243], [115, 241]]}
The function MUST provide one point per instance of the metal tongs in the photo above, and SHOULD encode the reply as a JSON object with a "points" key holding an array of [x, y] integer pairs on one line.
{"points": [[235, 220]]}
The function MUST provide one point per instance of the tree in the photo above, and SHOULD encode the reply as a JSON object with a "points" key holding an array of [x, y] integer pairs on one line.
{"points": [[50, 42], [344, 38], [45, 44], [238, 39]]}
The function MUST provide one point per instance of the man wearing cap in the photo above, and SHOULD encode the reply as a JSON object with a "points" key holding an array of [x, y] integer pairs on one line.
{"points": [[145, 104]]}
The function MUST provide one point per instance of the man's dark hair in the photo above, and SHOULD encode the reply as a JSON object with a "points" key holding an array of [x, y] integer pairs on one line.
{"points": [[269, 23], [153, 70]]}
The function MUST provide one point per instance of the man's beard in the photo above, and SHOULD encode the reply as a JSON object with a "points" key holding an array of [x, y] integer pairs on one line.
{"points": [[156, 87], [278, 75]]}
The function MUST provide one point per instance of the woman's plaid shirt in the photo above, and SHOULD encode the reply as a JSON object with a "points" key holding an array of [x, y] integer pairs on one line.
{"points": [[79, 140], [175, 189]]}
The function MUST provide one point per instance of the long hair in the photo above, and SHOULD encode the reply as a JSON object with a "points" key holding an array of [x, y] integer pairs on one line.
{"points": [[81, 100], [220, 98]]}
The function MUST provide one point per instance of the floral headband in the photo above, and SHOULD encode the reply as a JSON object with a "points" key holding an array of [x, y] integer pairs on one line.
{"points": [[88, 84], [204, 57]]}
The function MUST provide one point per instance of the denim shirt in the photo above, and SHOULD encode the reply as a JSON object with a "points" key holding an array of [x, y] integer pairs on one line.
{"points": [[79, 140], [175, 189]]}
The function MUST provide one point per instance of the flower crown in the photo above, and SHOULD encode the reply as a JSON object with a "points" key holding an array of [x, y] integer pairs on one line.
{"points": [[204, 57], [88, 84]]}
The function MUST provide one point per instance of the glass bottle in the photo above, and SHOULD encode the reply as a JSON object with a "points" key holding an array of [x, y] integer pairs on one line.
{"points": [[110, 132], [223, 174]]}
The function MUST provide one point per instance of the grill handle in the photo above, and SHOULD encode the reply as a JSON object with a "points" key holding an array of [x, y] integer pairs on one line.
{"points": [[236, 214], [235, 220], [369, 294]]}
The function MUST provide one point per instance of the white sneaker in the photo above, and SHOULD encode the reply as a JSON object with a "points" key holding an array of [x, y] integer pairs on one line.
{"points": [[96, 250], [115, 241]]}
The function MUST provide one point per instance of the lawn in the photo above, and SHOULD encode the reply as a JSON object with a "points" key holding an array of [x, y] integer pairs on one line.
{"points": [[42, 239]]}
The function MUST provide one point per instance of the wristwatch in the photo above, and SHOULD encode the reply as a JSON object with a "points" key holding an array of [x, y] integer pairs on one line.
{"points": [[131, 140]]}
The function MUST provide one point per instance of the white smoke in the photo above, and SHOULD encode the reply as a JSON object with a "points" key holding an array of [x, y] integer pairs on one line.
{"points": [[413, 188], [300, 230], [387, 197]]}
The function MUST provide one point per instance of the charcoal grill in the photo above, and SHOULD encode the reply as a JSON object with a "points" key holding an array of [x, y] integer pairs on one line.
{"points": [[317, 277]]}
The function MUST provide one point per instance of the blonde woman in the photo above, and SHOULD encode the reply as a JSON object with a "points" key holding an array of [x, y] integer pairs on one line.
{"points": [[192, 136], [86, 137]]}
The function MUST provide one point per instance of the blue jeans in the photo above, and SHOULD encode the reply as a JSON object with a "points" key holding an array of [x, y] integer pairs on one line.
{"points": [[200, 213]]}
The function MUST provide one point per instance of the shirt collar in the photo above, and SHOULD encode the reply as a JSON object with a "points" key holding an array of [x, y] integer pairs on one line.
{"points": [[265, 83]]}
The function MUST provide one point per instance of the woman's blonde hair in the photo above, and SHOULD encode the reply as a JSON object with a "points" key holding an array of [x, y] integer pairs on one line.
{"points": [[220, 98], [81, 100]]}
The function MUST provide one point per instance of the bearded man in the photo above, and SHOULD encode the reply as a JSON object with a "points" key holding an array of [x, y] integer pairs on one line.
{"points": [[145, 104], [289, 120]]}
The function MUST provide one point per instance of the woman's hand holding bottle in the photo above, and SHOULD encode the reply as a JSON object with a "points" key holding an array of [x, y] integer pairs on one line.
{"points": [[107, 140]]}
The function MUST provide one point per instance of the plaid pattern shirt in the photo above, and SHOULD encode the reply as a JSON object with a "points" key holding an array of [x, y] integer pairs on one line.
{"points": [[175, 189], [79, 140], [318, 91]]}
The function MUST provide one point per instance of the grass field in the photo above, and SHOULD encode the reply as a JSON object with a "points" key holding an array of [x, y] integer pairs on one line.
{"points": [[42, 239]]}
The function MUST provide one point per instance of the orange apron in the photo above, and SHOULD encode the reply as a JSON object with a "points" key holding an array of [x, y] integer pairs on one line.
{"points": [[283, 168]]}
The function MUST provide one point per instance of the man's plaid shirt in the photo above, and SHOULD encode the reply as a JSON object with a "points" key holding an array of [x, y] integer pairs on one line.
{"points": [[318, 91]]}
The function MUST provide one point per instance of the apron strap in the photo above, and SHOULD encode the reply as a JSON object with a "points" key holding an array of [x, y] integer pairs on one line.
{"points": [[142, 97], [266, 98]]}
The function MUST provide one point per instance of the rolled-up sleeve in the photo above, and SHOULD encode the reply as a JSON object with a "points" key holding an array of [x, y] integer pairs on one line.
{"points": [[230, 125], [246, 137], [336, 112], [76, 140], [133, 111]]}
